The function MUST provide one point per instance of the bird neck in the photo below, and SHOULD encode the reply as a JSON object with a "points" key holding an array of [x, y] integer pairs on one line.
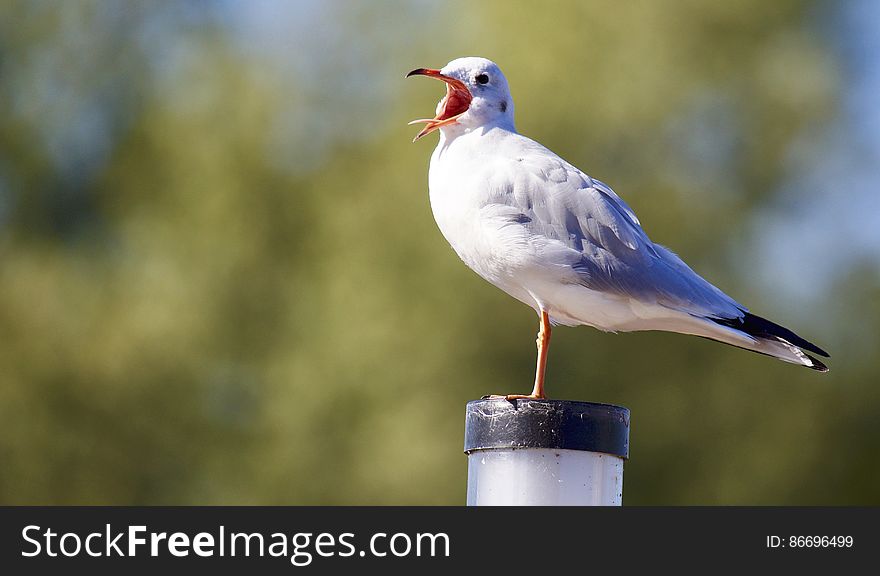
{"points": [[450, 133]]}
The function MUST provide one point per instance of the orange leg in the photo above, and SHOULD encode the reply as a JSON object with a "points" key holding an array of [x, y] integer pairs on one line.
{"points": [[543, 342]]}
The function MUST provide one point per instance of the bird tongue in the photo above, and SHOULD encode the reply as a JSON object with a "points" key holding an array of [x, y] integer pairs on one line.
{"points": [[454, 104]]}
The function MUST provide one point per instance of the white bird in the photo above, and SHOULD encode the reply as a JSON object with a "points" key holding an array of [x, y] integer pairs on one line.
{"points": [[560, 241]]}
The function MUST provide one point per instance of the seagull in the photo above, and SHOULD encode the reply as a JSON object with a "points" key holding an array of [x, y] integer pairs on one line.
{"points": [[560, 241]]}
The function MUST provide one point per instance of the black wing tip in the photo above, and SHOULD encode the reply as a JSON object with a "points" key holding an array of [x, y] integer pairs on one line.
{"points": [[762, 328], [821, 352], [817, 365]]}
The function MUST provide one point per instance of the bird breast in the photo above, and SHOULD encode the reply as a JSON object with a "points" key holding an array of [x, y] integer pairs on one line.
{"points": [[483, 232]]}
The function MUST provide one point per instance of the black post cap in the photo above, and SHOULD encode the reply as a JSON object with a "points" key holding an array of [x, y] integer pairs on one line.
{"points": [[555, 424]]}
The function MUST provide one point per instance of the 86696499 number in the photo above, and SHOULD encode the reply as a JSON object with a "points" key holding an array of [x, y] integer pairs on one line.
{"points": [[809, 541]]}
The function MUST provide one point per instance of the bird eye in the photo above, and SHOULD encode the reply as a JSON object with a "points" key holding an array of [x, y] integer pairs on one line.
{"points": [[482, 78]]}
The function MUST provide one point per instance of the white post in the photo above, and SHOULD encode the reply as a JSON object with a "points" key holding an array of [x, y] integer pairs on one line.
{"points": [[545, 453]]}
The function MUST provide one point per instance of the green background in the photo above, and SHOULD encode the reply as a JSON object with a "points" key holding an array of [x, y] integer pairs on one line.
{"points": [[221, 283]]}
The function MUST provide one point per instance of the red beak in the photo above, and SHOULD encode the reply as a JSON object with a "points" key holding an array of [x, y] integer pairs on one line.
{"points": [[454, 104]]}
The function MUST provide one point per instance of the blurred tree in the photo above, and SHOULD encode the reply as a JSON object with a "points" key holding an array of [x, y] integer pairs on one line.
{"points": [[221, 282]]}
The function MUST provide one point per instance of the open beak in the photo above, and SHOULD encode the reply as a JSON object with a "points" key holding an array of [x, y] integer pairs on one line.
{"points": [[454, 104]]}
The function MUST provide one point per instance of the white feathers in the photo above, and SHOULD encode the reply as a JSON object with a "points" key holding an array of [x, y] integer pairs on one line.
{"points": [[554, 238]]}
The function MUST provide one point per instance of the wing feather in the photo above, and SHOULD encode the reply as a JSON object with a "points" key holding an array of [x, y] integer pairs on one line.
{"points": [[597, 235]]}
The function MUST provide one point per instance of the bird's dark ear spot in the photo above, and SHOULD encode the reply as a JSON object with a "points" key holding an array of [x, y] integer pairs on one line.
{"points": [[503, 105]]}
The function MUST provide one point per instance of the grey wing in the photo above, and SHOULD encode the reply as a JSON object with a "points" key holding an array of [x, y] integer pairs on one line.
{"points": [[603, 243]]}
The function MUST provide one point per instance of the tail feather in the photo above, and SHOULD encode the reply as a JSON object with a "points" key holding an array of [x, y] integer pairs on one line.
{"points": [[817, 364], [762, 328], [774, 340]]}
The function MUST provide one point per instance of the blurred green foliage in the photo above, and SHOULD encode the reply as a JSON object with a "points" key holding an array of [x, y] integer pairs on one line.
{"points": [[221, 282]]}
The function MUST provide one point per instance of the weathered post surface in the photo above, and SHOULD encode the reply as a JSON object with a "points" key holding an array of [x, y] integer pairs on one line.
{"points": [[545, 452]]}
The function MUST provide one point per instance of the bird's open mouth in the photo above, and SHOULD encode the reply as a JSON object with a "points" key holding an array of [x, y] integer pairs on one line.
{"points": [[454, 104]]}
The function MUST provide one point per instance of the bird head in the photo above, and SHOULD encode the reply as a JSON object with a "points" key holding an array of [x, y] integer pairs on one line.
{"points": [[476, 95]]}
